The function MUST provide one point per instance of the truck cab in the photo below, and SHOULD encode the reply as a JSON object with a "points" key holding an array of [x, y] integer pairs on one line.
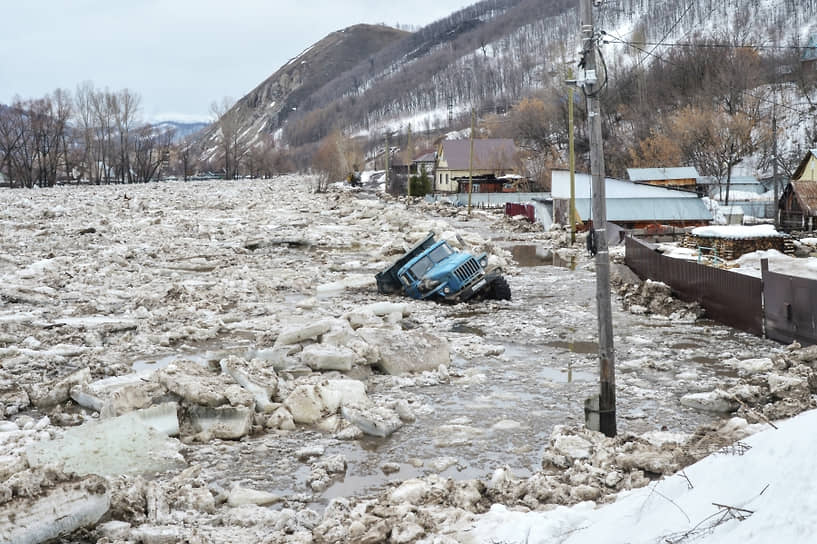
{"points": [[434, 270]]}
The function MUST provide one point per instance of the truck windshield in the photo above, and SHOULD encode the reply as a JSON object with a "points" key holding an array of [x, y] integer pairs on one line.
{"points": [[419, 268], [440, 252]]}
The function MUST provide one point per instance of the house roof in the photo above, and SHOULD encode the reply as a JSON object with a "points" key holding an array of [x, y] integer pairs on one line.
{"points": [[652, 174], [806, 194], [615, 188], [489, 154], [628, 201], [804, 163], [736, 180], [428, 156]]}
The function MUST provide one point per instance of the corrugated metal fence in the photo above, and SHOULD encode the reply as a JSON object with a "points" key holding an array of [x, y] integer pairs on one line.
{"points": [[512, 209], [731, 298], [791, 307]]}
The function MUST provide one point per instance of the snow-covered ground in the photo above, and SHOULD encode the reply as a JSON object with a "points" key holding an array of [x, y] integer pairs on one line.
{"points": [[757, 491]]}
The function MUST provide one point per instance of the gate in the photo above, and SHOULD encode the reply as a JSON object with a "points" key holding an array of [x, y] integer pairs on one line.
{"points": [[791, 307]]}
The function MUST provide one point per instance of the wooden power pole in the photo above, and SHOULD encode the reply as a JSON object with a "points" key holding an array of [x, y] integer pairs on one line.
{"points": [[471, 162], [592, 87], [572, 162], [388, 153]]}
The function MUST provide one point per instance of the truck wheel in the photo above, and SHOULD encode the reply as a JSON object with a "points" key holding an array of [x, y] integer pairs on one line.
{"points": [[500, 290]]}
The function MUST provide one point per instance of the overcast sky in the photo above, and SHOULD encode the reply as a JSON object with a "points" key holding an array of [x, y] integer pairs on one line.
{"points": [[179, 55]]}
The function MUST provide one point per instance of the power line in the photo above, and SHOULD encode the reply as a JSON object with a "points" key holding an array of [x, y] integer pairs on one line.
{"points": [[715, 45], [671, 63]]}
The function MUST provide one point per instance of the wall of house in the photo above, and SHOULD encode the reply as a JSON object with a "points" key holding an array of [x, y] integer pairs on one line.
{"points": [[810, 172]]}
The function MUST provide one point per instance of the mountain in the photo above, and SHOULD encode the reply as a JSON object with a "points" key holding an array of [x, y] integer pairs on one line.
{"points": [[181, 130], [491, 55], [269, 105]]}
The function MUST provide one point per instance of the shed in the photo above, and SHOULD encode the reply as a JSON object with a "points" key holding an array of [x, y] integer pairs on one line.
{"points": [[798, 206], [683, 177], [629, 204]]}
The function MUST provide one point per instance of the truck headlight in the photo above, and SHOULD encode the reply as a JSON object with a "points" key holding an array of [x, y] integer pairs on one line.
{"points": [[483, 262], [447, 290]]}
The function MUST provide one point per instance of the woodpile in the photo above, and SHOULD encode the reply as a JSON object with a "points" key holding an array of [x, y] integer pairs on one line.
{"points": [[729, 249]]}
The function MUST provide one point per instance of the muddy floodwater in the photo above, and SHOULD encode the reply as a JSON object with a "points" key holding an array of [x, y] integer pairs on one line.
{"points": [[500, 407]]}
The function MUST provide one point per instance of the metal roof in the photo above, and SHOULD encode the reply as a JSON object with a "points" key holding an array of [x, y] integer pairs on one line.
{"points": [[489, 154], [628, 201], [648, 209], [654, 174], [431, 156], [806, 194], [614, 188]]}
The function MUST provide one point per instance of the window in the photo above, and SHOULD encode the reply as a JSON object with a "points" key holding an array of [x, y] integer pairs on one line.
{"points": [[422, 266], [439, 253]]}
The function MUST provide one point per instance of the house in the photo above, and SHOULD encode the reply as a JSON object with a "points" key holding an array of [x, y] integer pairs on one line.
{"points": [[747, 193], [685, 177], [798, 203], [493, 158], [807, 170], [630, 205], [425, 160]]}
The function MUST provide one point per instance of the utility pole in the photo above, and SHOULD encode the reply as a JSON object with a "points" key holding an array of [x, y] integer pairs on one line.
{"points": [[471, 162], [388, 152], [572, 161], [774, 163], [408, 160], [607, 393]]}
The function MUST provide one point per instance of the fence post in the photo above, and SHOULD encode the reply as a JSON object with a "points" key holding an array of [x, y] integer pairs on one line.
{"points": [[764, 271]]}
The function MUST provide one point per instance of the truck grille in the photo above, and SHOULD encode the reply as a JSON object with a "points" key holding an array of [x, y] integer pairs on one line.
{"points": [[467, 270]]}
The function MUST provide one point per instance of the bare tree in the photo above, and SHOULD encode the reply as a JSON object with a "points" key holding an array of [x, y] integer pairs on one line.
{"points": [[126, 115], [228, 122]]}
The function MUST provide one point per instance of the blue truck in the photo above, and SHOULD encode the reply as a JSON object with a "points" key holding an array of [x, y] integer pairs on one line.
{"points": [[433, 270]]}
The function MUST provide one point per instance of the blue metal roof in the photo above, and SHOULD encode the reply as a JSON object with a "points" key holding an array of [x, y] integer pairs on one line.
{"points": [[628, 201], [652, 174]]}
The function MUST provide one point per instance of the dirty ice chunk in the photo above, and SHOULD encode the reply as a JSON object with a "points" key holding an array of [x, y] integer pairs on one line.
{"points": [[95, 395], [337, 393], [323, 357], [225, 422], [48, 395], [373, 420], [111, 447], [404, 352], [754, 366], [305, 404], [357, 281], [241, 495], [387, 308], [261, 393], [162, 418], [56, 511], [712, 401], [298, 333]]}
